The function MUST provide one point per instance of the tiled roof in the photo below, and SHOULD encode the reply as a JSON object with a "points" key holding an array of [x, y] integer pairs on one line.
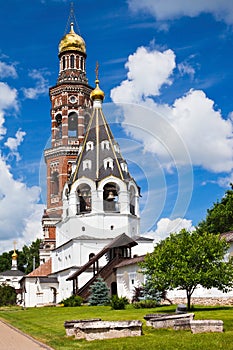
{"points": [[98, 130], [131, 261], [42, 270], [228, 236]]}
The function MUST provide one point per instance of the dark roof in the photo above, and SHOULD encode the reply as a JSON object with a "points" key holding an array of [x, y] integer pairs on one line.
{"points": [[98, 130], [12, 273], [143, 239], [48, 279], [120, 241], [131, 261]]}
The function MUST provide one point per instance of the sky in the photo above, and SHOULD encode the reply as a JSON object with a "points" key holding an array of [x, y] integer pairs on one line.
{"points": [[166, 69]]}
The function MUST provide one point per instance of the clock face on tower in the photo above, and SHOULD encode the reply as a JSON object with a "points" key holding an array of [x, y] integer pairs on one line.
{"points": [[72, 99]]}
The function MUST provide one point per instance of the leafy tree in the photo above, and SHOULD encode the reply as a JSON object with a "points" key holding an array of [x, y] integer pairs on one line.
{"points": [[219, 218], [7, 295], [188, 259], [99, 293]]}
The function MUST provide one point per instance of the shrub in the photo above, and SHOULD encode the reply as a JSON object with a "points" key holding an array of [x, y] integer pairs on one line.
{"points": [[118, 303], [7, 295], [74, 300], [99, 293], [145, 304]]}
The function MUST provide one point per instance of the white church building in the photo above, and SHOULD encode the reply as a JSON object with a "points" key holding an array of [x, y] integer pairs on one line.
{"points": [[92, 221]]}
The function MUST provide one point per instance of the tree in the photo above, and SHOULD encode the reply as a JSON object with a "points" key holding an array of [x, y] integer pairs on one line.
{"points": [[99, 293], [219, 218], [7, 295], [188, 259]]}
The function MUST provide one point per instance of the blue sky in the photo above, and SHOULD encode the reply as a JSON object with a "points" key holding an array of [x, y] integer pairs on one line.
{"points": [[167, 66]]}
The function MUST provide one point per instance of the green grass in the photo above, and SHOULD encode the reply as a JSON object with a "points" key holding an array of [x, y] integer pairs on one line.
{"points": [[47, 325]]}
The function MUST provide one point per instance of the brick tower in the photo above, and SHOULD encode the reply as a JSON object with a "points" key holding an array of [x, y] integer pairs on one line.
{"points": [[70, 103]]}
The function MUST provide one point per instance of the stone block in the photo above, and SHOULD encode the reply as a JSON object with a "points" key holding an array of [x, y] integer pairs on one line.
{"points": [[204, 326], [166, 320], [69, 325]]}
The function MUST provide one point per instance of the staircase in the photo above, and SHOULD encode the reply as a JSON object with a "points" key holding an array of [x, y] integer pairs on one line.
{"points": [[105, 272]]}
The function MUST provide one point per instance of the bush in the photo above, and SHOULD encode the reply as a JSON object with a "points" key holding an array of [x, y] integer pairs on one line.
{"points": [[74, 300], [145, 304], [7, 295], [99, 293], [118, 303]]}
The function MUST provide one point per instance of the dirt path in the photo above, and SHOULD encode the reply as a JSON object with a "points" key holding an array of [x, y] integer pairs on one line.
{"points": [[13, 339]]}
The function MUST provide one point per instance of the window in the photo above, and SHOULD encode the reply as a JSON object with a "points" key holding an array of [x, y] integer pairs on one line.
{"points": [[72, 61], [124, 167], [105, 145], [63, 62], [83, 199], [108, 163], [73, 124], [87, 164], [110, 197], [90, 146], [55, 183]]}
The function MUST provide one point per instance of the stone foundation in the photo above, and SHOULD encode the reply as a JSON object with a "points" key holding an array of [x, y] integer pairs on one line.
{"points": [[69, 325], [204, 301], [166, 320], [204, 326], [97, 329]]}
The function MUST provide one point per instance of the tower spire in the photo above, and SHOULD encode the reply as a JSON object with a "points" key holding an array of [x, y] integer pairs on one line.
{"points": [[72, 19]]}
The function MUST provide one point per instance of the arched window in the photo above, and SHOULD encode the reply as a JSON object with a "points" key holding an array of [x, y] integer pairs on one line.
{"points": [[55, 183], [132, 200], [105, 145], [63, 62], [73, 124], [58, 126], [72, 61], [87, 164], [110, 197], [90, 146], [83, 198], [81, 63], [108, 163]]}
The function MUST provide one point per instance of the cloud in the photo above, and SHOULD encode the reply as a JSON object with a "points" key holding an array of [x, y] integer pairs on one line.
{"points": [[7, 70], [41, 86], [167, 226], [148, 70], [188, 129], [164, 10], [184, 68], [8, 100], [13, 143], [17, 203]]}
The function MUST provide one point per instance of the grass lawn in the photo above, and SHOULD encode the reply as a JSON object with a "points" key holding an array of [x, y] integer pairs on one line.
{"points": [[46, 325]]}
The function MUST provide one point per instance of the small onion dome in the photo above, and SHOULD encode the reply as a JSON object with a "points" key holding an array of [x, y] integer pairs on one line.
{"points": [[14, 256], [97, 93], [72, 42]]}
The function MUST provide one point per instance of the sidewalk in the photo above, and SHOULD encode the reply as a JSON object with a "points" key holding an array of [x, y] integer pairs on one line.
{"points": [[13, 339]]}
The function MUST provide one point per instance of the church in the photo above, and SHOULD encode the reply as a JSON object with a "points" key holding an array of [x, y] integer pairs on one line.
{"points": [[91, 223]]}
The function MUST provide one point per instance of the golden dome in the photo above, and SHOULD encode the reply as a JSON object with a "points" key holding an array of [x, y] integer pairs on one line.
{"points": [[14, 255], [97, 93], [72, 42]]}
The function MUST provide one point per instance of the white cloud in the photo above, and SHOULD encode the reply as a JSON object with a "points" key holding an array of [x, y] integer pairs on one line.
{"points": [[185, 68], [17, 204], [7, 70], [8, 100], [170, 9], [148, 70], [189, 127], [41, 86], [14, 142], [167, 226]]}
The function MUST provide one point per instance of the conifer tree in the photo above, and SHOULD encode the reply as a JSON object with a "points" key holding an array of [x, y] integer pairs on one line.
{"points": [[99, 293]]}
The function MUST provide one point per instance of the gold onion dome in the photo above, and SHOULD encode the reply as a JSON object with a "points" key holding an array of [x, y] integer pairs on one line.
{"points": [[72, 42], [97, 93], [14, 256]]}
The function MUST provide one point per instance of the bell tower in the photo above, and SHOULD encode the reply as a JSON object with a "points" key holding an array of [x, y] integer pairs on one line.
{"points": [[70, 103]]}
